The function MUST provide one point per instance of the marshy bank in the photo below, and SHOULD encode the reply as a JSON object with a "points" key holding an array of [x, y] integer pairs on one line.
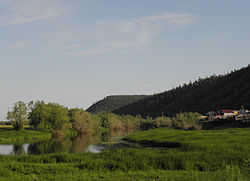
{"points": [[28, 142], [202, 155]]}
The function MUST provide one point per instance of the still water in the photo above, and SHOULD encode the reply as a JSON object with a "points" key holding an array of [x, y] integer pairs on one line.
{"points": [[81, 143]]}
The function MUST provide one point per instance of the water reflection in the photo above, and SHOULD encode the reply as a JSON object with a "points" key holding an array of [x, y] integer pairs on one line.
{"points": [[95, 148], [81, 143], [17, 149]]}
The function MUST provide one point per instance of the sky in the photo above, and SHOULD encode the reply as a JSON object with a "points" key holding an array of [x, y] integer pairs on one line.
{"points": [[77, 52]]}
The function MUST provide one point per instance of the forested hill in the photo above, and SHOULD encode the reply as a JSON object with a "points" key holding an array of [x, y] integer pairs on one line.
{"points": [[110, 103], [229, 91]]}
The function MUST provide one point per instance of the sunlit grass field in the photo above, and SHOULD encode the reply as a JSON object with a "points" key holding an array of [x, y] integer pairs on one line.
{"points": [[237, 139], [10, 136], [183, 155], [120, 164]]}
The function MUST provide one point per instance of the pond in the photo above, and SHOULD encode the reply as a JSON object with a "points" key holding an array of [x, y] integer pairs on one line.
{"points": [[81, 143]]}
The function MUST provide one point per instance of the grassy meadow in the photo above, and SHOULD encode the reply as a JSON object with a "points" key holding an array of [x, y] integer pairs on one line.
{"points": [[234, 139], [120, 164], [183, 155], [10, 136]]}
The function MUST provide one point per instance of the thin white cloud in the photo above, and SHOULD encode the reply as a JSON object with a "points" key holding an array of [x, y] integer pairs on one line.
{"points": [[115, 35], [93, 51], [18, 45], [62, 36], [209, 40], [15, 12], [68, 47], [156, 21]]}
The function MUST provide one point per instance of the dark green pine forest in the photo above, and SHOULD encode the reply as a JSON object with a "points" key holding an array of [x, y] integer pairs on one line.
{"points": [[110, 103], [230, 91]]}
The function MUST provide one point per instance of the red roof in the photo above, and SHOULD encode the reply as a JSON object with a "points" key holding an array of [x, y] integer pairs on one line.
{"points": [[227, 111]]}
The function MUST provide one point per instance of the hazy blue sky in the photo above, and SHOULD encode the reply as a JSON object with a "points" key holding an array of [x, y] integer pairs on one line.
{"points": [[79, 51]]}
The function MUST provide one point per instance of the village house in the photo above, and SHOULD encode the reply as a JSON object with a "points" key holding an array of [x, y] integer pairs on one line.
{"points": [[227, 112], [243, 112]]}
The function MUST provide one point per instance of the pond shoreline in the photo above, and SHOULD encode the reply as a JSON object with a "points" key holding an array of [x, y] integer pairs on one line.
{"points": [[16, 142]]}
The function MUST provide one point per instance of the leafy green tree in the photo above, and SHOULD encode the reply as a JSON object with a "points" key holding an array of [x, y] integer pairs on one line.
{"points": [[162, 122], [18, 115], [186, 120], [111, 121], [80, 120], [48, 117], [37, 116], [57, 116]]}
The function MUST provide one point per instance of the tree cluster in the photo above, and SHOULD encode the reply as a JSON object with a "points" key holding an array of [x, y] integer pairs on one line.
{"points": [[111, 103], [55, 118], [230, 91]]}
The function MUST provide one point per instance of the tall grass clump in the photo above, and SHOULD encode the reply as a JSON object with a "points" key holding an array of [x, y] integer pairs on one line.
{"points": [[200, 150], [120, 164]]}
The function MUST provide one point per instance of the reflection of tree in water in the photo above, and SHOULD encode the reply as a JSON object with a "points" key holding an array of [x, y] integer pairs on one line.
{"points": [[105, 136], [82, 141], [62, 144], [18, 150], [120, 133], [73, 145], [39, 147], [58, 145]]}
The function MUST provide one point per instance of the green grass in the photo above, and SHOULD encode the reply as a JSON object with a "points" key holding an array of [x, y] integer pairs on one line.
{"points": [[237, 139], [201, 150], [10, 136], [120, 164], [196, 155]]}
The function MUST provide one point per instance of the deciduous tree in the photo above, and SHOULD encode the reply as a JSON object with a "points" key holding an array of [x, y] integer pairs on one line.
{"points": [[18, 115]]}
